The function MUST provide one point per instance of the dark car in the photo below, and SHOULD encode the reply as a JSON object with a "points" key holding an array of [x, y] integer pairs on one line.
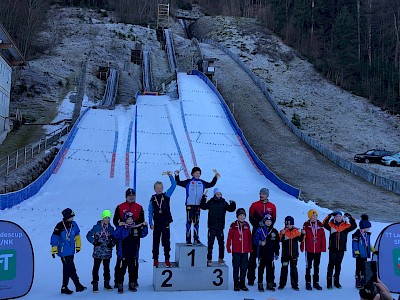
{"points": [[372, 156]]}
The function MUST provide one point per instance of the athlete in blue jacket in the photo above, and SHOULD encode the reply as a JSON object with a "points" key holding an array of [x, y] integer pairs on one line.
{"points": [[194, 191], [65, 242]]}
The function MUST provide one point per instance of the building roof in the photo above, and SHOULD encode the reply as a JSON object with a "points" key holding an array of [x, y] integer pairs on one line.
{"points": [[9, 50]]}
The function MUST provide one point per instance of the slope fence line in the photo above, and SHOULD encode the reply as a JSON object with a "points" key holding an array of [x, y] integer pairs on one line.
{"points": [[176, 142], [114, 153], [128, 146], [187, 134]]}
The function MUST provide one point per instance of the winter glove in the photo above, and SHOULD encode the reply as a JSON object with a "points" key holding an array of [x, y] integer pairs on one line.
{"points": [[376, 253], [54, 251], [110, 245], [357, 253], [77, 243], [276, 257], [97, 244], [348, 215]]}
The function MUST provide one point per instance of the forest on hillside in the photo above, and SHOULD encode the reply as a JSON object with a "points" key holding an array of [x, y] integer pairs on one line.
{"points": [[355, 44]]}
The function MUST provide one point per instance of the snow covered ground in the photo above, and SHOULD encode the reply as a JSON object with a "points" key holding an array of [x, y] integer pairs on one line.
{"points": [[88, 183]]}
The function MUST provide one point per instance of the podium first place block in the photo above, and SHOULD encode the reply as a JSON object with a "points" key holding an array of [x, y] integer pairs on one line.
{"points": [[190, 272]]}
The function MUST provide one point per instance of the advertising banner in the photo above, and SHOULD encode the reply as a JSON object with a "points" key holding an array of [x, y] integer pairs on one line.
{"points": [[16, 261]]}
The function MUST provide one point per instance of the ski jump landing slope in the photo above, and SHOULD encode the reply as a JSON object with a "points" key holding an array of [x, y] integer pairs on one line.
{"points": [[131, 147]]}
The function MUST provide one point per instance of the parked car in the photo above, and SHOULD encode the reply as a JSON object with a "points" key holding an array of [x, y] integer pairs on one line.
{"points": [[392, 160], [372, 156]]}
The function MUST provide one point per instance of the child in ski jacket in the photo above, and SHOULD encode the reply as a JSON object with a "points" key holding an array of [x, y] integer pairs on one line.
{"points": [[267, 240], [290, 238], [338, 228], [239, 242], [194, 191], [314, 243], [65, 242], [217, 208], [101, 237], [362, 249], [160, 212], [127, 237]]}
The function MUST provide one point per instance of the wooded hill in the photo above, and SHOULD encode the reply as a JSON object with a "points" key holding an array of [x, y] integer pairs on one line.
{"points": [[355, 44]]}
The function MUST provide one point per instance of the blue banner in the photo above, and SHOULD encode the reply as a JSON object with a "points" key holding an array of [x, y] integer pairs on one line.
{"points": [[16, 261]]}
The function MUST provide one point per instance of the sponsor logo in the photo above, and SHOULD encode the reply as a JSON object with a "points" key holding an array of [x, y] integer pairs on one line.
{"points": [[8, 264]]}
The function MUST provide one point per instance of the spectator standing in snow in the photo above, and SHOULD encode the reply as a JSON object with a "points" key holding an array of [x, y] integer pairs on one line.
{"points": [[65, 242], [160, 212], [362, 249], [314, 244], [100, 236], [217, 208], [240, 243], [128, 237], [338, 228], [194, 191], [257, 211]]}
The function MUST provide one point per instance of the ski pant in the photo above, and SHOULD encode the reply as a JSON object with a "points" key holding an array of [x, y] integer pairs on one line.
{"points": [[251, 269], [335, 263], [122, 264], [192, 216], [294, 276], [268, 265], [240, 262], [164, 234], [360, 268], [310, 258], [212, 234], [96, 268], [69, 270]]}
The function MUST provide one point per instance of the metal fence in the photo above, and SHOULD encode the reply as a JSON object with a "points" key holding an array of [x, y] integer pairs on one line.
{"points": [[371, 177], [20, 157]]}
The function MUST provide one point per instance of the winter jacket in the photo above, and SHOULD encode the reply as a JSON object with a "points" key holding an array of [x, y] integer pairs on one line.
{"points": [[257, 211], [101, 237], [128, 240], [362, 244], [133, 207], [338, 232], [314, 240], [66, 238], [195, 188], [290, 239], [217, 209], [239, 237], [271, 248], [161, 203]]}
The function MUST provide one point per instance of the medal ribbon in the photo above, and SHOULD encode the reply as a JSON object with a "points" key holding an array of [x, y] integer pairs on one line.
{"points": [[159, 204], [68, 233]]}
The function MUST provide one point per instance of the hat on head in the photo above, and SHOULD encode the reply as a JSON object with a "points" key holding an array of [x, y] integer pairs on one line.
{"points": [[311, 212], [267, 217], [106, 214], [240, 211], [289, 220], [128, 215], [217, 190], [264, 191], [129, 192], [195, 169], [337, 212], [67, 213], [364, 223]]}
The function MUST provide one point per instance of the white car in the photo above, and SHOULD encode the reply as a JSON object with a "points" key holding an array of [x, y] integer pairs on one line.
{"points": [[392, 160]]}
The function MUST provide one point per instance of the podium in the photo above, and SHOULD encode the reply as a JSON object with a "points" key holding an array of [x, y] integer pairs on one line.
{"points": [[190, 272]]}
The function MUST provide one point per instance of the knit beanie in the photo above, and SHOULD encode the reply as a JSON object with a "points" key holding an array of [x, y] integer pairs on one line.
{"points": [[217, 190], [267, 217], [128, 215], [67, 213], [337, 212], [106, 214], [240, 211], [195, 169], [289, 220], [264, 191], [311, 212], [129, 192], [364, 223]]}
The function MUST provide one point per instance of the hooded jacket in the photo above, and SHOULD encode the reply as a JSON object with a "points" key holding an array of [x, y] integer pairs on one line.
{"points": [[101, 237], [314, 239], [239, 237], [217, 209], [338, 232]]}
